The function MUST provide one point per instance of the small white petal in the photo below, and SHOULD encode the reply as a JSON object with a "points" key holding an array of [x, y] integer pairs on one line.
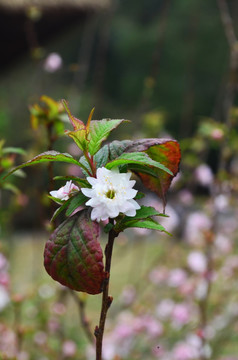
{"points": [[87, 192]]}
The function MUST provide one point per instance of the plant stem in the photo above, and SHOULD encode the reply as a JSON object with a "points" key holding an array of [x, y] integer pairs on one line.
{"points": [[106, 300]]}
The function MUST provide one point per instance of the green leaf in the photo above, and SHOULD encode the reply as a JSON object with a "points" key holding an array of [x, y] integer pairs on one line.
{"points": [[59, 210], [139, 158], [73, 255], [13, 150], [11, 187], [145, 224], [101, 157], [139, 195], [46, 157], [143, 213], [99, 130], [57, 200], [76, 201]]}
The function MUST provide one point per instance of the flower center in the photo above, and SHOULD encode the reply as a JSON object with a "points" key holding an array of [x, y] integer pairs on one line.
{"points": [[110, 194]]}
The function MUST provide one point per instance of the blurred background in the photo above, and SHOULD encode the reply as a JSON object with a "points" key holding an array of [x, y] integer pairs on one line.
{"points": [[171, 68]]}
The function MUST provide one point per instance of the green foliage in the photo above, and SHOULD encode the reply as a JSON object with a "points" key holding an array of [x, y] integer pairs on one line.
{"points": [[73, 255], [99, 131]]}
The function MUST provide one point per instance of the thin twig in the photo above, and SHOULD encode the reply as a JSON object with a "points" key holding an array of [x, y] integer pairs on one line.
{"points": [[106, 299], [232, 74], [83, 318], [227, 22]]}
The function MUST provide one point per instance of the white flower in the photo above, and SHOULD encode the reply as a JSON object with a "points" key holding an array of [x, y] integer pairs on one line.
{"points": [[111, 194], [65, 191]]}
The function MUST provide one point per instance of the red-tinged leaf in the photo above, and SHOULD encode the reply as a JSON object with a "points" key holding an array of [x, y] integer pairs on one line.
{"points": [[77, 124], [164, 151], [73, 255], [167, 152]]}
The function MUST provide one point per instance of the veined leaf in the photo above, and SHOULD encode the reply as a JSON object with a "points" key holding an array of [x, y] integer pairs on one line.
{"points": [[46, 157], [73, 255], [79, 137], [144, 212], [99, 131], [164, 151], [145, 224], [139, 158]]}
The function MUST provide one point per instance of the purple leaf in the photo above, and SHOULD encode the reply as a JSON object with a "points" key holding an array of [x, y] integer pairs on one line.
{"points": [[73, 255]]}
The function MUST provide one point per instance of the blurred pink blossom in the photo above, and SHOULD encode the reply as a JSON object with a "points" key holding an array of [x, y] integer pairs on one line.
{"points": [[58, 308], [204, 175], [8, 342], [158, 275], [184, 351], [4, 297], [177, 277], [164, 308], [53, 62], [69, 348], [196, 224], [201, 289], [217, 134], [180, 315], [40, 338], [221, 202], [223, 244], [185, 197], [128, 295], [197, 262]]}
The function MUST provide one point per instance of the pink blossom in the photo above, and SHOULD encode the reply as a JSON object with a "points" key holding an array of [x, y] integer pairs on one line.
{"points": [[128, 295], [217, 134], [158, 275], [184, 351], [58, 308], [69, 348], [53, 62], [40, 338], [4, 297], [65, 191], [201, 289], [177, 277], [186, 197], [180, 314], [165, 308], [221, 202], [223, 244], [204, 175], [197, 262], [196, 224], [3, 262]]}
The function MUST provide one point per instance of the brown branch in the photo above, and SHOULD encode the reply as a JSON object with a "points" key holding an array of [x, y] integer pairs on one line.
{"points": [[106, 299]]}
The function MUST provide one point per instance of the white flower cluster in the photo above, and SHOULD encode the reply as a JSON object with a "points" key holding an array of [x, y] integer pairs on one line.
{"points": [[111, 194]]}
